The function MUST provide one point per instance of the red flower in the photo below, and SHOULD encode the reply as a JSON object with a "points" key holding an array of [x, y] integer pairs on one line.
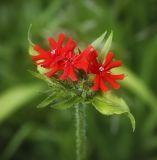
{"points": [[60, 58], [46, 58], [103, 73], [89, 55], [72, 62]]}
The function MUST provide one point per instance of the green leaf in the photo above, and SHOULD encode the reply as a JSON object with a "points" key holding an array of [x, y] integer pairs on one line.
{"points": [[37, 75], [57, 100], [52, 82], [97, 43], [40, 76], [48, 100], [106, 47], [42, 70], [109, 104], [66, 102], [29, 35], [32, 52]]}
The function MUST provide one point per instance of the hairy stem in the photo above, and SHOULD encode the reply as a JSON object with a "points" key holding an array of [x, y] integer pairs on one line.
{"points": [[80, 132]]}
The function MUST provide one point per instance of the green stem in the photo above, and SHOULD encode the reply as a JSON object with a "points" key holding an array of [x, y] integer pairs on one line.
{"points": [[80, 132]]}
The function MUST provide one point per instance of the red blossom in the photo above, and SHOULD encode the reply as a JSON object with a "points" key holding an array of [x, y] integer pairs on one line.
{"points": [[71, 63], [89, 55], [46, 58], [60, 58], [103, 73], [63, 58]]}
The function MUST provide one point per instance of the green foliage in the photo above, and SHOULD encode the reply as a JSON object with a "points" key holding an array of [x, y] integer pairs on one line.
{"points": [[32, 52], [42, 70], [29, 37], [107, 46], [109, 104], [61, 96], [47, 101], [98, 42], [66, 102], [57, 100]]}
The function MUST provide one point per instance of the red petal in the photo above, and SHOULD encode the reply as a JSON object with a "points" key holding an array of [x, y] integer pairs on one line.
{"points": [[58, 58], [61, 39], [54, 70], [94, 67], [38, 48], [57, 45], [42, 53], [51, 73], [90, 54], [114, 64], [69, 71], [72, 74], [97, 83], [103, 86], [109, 59], [117, 77], [52, 42], [113, 83], [81, 63], [64, 76], [70, 46]]}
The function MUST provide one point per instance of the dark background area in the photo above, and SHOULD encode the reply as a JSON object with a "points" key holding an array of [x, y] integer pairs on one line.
{"points": [[30, 133]]}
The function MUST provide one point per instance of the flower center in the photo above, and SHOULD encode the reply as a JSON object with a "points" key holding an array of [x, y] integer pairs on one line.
{"points": [[69, 60], [53, 51], [91, 49], [101, 69]]}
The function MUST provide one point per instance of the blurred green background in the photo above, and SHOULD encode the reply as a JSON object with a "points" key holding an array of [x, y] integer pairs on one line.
{"points": [[30, 133]]}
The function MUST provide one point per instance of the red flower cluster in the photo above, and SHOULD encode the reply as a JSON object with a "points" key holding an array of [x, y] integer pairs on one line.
{"points": [[64, 58], [60, 58]]}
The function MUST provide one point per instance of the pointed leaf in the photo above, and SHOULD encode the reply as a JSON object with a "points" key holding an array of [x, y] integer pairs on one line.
{"points": [[97, 43], [42, 70], [109, 104], [29, 35], [52, 82], [38, 75], [106, 47], [132, 120], [48, 100], [66, 102], [32, 52]]}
